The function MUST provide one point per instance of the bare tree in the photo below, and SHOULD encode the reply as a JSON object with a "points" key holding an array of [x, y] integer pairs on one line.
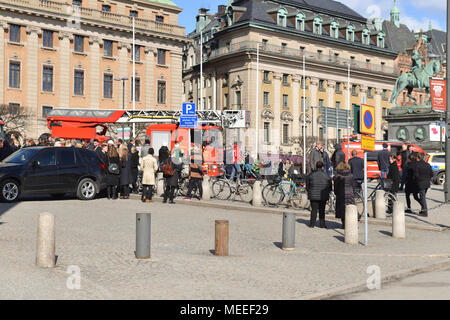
{"points": [[15, 118]]}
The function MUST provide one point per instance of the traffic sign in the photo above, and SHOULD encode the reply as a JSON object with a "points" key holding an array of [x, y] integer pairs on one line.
{"points": [[189, 109], [188, 122], [367, 119], [367, 143]]}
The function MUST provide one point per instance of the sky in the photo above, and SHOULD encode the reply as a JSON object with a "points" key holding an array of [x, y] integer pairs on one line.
{"points": [[416, 14]]}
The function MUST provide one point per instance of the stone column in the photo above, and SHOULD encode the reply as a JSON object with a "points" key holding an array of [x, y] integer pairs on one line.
{"points": [[214, 88], [276, 111], [347, 97], [124, 61], [64, 69], [32, 82], [3, 78], [296, 105], [149, 77], [94, 73], [378, 114], [332, 132], [176, 67]]}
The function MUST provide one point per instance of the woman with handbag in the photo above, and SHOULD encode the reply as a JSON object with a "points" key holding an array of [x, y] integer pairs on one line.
{"points": [[393, 178], [125, 172], [343, 189], [113, 174]]}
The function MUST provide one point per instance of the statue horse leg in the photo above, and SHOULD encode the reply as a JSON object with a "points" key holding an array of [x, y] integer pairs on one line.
{"points": [[410, 89], [400, 85]]}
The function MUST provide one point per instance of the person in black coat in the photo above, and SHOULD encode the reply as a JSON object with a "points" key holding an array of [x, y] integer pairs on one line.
{"points": [[163, 154], [5, 149], [343, 189], [337, 157], [422, 175], [171, 182], [318, 185], [125, 172], [357, 168], [410, 182], [393, 175], [112, 178], [404, 154], [134, 170], [383, 163]]}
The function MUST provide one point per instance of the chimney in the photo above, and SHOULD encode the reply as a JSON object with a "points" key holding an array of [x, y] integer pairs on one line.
{"points": [[202, 19], [221, 10]]}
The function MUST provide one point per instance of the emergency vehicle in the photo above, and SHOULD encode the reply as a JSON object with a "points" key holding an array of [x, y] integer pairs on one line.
{"points": [[164, 128], [2, 133]]}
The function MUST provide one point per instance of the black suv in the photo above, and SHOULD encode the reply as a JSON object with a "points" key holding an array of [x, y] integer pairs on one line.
{"points": [[51, 170]]}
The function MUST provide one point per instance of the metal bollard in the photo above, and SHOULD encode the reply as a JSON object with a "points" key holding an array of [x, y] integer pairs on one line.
{"points": [[160, 184], [45, 250], [380, 205], [288, 238], [398, 221], [351, 224], [206, 188], [257, 196], [143, 235], [221, 248]]}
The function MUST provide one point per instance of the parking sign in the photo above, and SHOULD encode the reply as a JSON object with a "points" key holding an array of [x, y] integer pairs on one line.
{"points": [[189, 109]]}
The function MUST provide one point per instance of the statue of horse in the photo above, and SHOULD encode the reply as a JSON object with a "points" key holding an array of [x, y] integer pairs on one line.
{"points": [[409, 81]]}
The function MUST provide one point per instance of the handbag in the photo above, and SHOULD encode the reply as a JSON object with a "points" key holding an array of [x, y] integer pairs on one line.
{"points": [[113, 168]]}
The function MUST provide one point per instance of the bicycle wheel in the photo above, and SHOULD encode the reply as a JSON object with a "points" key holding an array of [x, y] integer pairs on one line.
{"points": [[245, 192], [183, 187], [331, 204], [272, 194], [389, 199], [299, 198], [221, 190]]}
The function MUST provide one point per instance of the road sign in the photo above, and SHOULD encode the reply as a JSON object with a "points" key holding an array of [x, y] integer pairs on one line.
{"points": [[331, 117], [188, 121], [438, 94], [367, 143], [367, 119], [188, 109]]}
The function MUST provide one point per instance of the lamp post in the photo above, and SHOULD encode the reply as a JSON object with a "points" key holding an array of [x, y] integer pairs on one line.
{"points": [[123, 79], [349, 114]]}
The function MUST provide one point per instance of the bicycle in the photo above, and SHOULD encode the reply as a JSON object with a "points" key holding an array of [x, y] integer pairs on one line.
{"points": [[275, 193], [223, 188], [389, 197]]}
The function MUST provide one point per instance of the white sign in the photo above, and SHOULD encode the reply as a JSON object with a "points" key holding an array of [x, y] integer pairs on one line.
{"points": [[435, 133]]}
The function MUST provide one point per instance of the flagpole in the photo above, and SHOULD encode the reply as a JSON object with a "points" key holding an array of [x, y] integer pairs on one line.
{"points": [[134, 79]]}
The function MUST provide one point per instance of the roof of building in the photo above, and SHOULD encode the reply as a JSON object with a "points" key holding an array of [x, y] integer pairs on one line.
{"points": [[398, 39], [436, 39], [165, 2]]}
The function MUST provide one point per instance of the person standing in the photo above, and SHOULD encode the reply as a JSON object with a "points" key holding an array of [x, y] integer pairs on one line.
{"points": [[315, 156], [102, 153], [170, 174], [343, 189], [393, 175], [131, 144], [195, 176], [410, 182], [163, 154], [383, 163], [134, 171], [337, 157], [318, 185], [125, 172], [149, 167], [113, 173], [404, 154], [357, 169], [145, 148], [423, 174]]}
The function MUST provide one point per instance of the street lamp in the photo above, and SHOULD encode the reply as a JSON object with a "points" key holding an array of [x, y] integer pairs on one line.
{"points": [[123, 79]]}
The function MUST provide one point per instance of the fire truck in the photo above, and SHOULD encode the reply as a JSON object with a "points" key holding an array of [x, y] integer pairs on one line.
{"points": [[164, 128], [2, 133]]}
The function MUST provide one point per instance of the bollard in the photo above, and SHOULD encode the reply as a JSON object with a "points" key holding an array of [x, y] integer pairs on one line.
{"points": [[288, 238], [351, 224], [143, 235], [305, 201], [380, 205], [398, 221], [257, 196], [221, 238], [264, 183], [160, 184], [45, 251], [206, 188]]}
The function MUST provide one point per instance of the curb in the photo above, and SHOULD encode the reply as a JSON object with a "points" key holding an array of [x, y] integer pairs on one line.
{"points": [[231, 206], [362, 286]]}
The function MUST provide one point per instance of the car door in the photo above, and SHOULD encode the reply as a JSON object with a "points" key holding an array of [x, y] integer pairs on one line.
{"points": [[41, 175], [68, 170]]}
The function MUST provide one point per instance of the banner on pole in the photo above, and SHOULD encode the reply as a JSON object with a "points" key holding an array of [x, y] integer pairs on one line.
{"points": [[438, 94]]}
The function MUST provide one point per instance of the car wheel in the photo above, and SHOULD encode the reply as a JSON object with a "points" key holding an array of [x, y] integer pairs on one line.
{"points": [[87, 189], [10, 191], [440, 178]]}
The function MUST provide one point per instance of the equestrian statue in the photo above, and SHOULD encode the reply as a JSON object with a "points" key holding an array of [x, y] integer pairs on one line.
{"points": [[418, 77]]}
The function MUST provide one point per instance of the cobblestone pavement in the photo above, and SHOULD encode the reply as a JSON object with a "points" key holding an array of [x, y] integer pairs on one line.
{"points": [[99, 237]]}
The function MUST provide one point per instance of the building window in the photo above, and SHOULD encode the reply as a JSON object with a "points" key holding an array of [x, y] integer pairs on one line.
{"points": [[283, 47], [285, 133], [321, 85], [285, 101], [78, 87], [370, 92], [107, 86], [159, 19], [380, 40], [137, 53], [76, 3], [366, 37], [46, 110], [238, 100], [161, 56], [228, 45], [48, 39], [285, 79], [319, 54], [47, 79], [161, 92], [266, 99], [338, 87], [350, 33], [317, 25], [106, 8], [264, 44], [225, 100], [209, 102], [282, 17], [266, 76], [79, 43], [133, 13], [338, 105], [14, 74], [14, 33], [107, 48], [334, 30], [354, 93], [384, 94], [266, 132], [300, 22], [137, 89], [13, 108]]}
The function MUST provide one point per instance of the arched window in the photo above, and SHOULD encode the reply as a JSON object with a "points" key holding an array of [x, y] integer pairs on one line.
{"points": [[282, 17], [366, 37], [300, 21], [334, 30], [317, 25], [380, 39], [350, 33]]}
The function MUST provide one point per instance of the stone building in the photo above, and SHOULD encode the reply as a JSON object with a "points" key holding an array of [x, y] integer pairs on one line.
{"points": [[68, 54], [329, 35]]}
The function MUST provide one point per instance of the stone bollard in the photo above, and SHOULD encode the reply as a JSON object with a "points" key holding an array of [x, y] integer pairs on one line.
{"points": [[351, 224], [221, 247], [45, 251], [288, 237], [264, 183], [380, 205], [206, 188], [398, 220], [305, 201], [257, 196], [143, 235], [160, 184]]}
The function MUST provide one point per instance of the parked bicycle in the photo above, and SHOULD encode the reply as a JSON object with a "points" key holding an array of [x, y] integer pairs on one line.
{"points": [[291, 192], [223, 189]]}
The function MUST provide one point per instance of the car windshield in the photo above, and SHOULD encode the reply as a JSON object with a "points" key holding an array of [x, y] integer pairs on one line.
{"points": [[21, 156]]}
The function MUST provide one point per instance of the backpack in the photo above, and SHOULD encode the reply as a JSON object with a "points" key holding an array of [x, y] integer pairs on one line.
{"points": [[113, 168], [167, 169]]}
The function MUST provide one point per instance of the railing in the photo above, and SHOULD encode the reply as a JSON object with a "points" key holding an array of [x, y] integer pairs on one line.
{"points": [[298, 54], [97, 15]]}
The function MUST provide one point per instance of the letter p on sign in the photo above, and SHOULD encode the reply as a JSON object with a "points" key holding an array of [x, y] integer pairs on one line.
{"points": [[189, 109]]}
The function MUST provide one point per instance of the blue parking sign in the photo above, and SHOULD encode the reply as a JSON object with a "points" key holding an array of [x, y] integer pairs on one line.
{"points": [[188, 122], [189, 109]]}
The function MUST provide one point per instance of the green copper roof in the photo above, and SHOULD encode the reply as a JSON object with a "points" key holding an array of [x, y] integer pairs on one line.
{"points": [[165, 2], [395, 9]]}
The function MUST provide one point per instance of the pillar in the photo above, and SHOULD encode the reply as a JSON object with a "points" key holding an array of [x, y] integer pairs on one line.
{"points": [[149, 84], [277, 111], [124, 61], [176, 67], [64, 69], [3, 79], [296, 106], [332, 132], [32, 76], [94, 73]]}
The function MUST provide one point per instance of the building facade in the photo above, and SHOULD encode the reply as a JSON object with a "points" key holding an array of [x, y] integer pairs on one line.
{"points": [[60, 54], [254, 50]]}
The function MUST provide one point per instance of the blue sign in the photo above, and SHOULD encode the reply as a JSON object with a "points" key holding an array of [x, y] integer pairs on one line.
{"points": [[189, 109], [188, 121]]}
